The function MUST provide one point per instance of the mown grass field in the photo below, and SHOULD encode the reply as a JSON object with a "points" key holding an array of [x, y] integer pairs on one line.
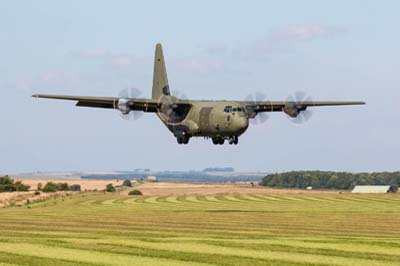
{"points": [[292, 229]]}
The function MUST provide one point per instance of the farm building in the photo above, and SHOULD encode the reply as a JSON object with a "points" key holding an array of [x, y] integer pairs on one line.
{"points": [[151, 178], [373, 189]]}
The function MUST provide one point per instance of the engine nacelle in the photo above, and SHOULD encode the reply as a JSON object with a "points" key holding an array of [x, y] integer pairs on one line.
{"points": [[293, 110], [123, 106]]}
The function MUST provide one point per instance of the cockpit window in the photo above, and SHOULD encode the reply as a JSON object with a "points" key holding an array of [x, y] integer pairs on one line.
{"points": [[230, 109]]}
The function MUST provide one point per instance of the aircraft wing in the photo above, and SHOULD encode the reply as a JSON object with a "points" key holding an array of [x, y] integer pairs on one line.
{"points": [[292, 108], [135, 104]]}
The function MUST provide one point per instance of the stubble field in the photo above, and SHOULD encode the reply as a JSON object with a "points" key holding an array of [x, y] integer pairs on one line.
{"points": [[235, 229]]}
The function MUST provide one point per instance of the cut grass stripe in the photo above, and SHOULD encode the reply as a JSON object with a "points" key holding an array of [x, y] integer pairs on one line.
{"points": [[261, 254], [85, 256], [262, 229], [11, 259]]}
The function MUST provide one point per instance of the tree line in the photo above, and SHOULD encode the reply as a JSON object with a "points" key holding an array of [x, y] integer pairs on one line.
{"points": [[53, 187], [7, 184], [329, 180]]}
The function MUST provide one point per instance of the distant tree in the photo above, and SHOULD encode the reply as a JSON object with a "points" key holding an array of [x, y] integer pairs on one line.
{"points": [[62, 186], [39, 186], [53, 187], [329, 180], [75, 187], [127, 183], [50, 187], [19, 186], [135, 192], [110, 188], [7, 184]]}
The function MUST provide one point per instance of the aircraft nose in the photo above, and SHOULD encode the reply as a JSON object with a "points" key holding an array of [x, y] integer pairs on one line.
{"points": [[243, 122]]}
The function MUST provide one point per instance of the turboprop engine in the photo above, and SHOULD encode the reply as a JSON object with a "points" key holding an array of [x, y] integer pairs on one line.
{"points": [[123, 106], [293, 110]]}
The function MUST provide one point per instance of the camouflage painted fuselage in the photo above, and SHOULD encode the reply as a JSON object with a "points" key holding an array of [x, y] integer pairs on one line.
{"points": [[209, 119], [219, 120]]}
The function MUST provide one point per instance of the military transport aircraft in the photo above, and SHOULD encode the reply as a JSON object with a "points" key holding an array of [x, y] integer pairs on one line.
{"points": [[218, 120]]}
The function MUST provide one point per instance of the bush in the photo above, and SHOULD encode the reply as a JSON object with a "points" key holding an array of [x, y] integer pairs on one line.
{"points": [[110, 188], [53, 187], [75, 187], [127, 183], [62, 186], [7, 184], [50, 187], [21, 187], [135, 192], [37, 193]]}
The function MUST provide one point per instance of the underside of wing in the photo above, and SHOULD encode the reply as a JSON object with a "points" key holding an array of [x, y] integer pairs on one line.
{"points": [[273, 106], [134, 104], [292, 108]]}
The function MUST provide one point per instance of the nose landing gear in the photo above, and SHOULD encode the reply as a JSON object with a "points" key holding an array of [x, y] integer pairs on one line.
{"points": [[183, 138]]}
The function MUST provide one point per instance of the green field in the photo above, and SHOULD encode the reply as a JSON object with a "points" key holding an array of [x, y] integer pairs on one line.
{"points": [[279, 229]]}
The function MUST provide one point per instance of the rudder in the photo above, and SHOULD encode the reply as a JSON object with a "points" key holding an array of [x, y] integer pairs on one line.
{"points": [[160, 80]]}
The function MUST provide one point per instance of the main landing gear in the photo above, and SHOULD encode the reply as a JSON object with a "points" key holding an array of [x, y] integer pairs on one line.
{"points": [[233, 140], [221, 140], [184, 139], [217, 141]]}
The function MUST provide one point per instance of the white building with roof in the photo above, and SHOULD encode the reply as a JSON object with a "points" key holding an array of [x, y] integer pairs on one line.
{"points": [[372, 189]]}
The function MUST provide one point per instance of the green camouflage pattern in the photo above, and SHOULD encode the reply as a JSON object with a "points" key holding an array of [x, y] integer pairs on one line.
{"points": [[219, 120]]}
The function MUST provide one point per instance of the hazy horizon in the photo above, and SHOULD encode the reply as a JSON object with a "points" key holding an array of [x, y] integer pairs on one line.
{"points": [[213, 50]]}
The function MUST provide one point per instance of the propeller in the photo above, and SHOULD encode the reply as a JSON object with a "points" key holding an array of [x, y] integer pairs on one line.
{"points": [[302, 116], [254, 99], [127, 94]]}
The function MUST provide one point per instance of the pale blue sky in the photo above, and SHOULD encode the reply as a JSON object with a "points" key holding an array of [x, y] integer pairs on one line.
{"points": [[342, 50]]}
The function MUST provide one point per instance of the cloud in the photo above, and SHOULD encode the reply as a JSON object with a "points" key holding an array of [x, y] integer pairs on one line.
{"points": [[121, 61], [300, 33], [114, 59], [231, 57], [216, 49], [94, 53], [275, 42]]}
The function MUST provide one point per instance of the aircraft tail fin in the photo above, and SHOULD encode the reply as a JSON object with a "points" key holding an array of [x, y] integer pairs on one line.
{"points": [[160, 80]]}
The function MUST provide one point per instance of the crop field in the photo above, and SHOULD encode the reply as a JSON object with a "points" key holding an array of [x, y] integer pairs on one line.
{"points": [[237, 230]]}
